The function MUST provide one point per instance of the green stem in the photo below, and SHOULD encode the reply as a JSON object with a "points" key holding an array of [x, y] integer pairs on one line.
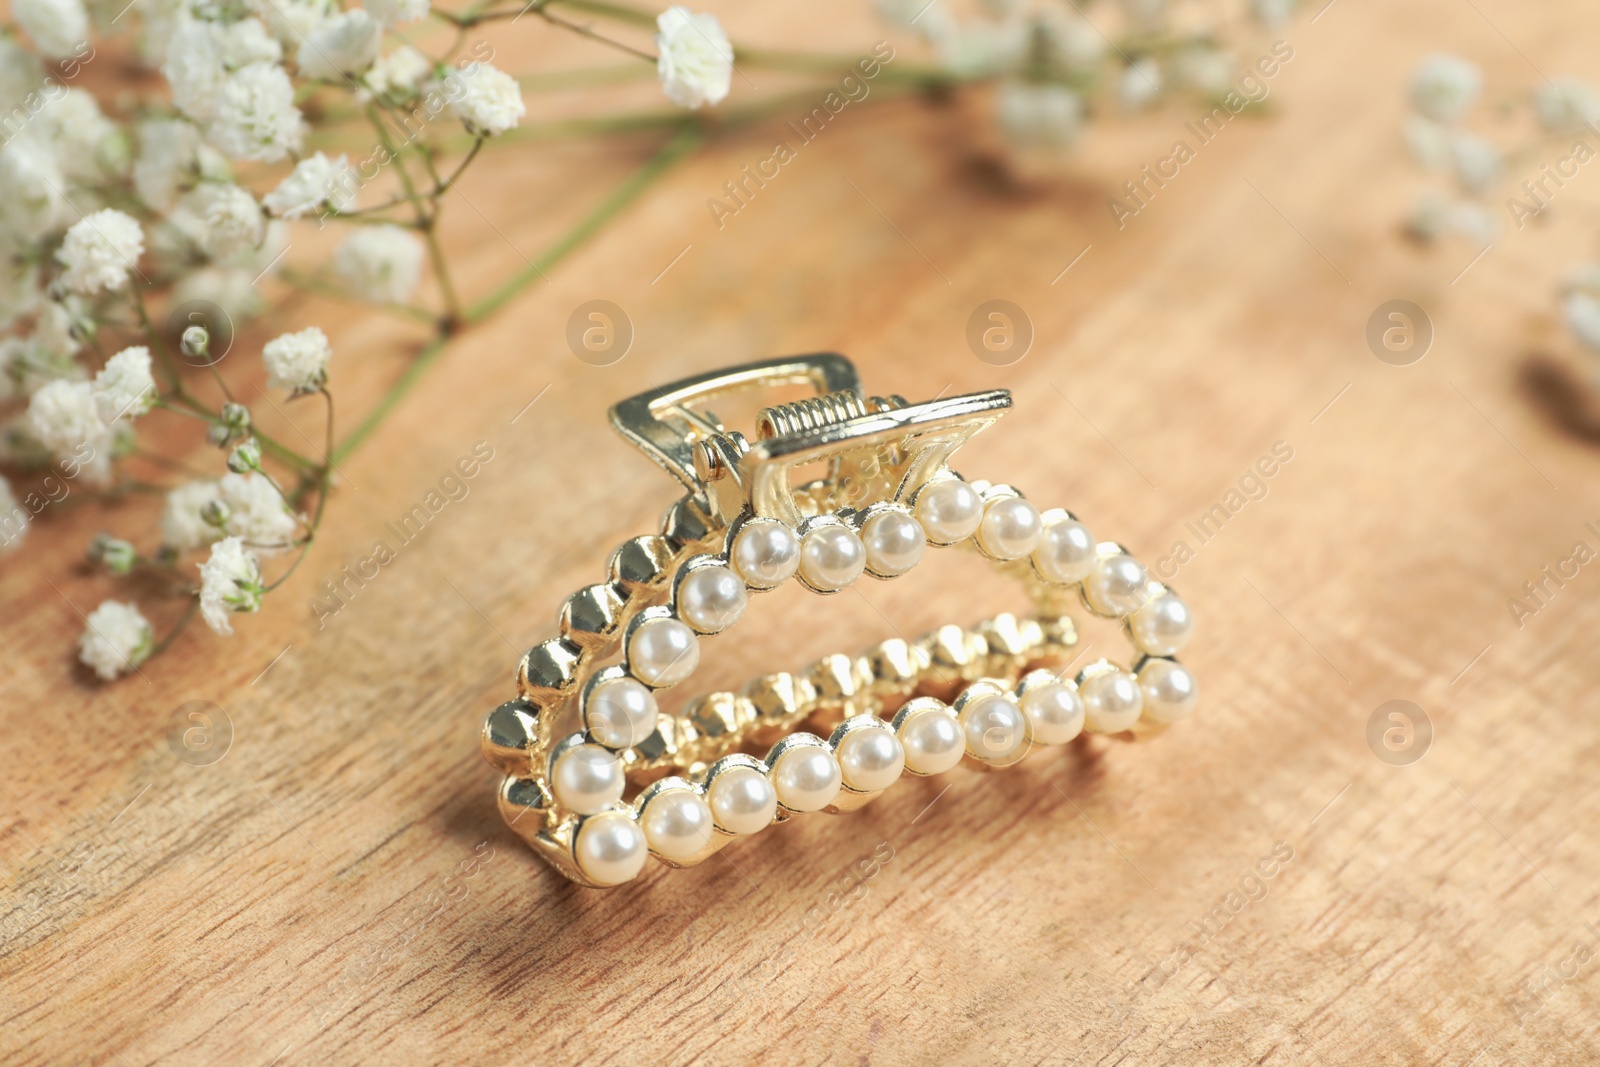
{"points": [[681, 145], [424, 359]]}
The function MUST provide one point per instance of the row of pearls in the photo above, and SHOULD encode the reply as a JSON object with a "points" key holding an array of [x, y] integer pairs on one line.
{"points": [[739, 795]]}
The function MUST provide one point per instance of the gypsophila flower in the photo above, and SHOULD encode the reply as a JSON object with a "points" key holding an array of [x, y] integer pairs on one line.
{"points": [[314, 181], [1272, 13], [63, 416], [346, 43], [183, 526], [231, 288], [290, 21], [1565, 104], [20, 72], [1444, 87], [982, 47], [1206, 70], [114, 554], [1069, 43], [234, 224], [695, 62], [1429, 142], [19, 287], [1040, 116], [1582, 312], [486, 100], [246, 456], [61, 327], [257, 512], [398, 76], [56, 26], [116, 638], [166, 162], [380, 263], [297, 361], [230, 581], [1139, 84], [394, 12], [202, 55], [14, 518], [256, 117], [99, 251], [73, 125], [1476, 162], [32, 189], [124, 388]]}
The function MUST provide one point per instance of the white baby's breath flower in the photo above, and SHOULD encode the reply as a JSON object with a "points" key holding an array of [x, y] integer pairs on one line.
{"points": [[1068, 42], [20, 73], [1444, 86], [1470, 219], [19, 287], [982, 47], [1429, 142], [1272, 13], [99, 251], [1477, 163], [1035, 116], [398, 76], [194, 69], [56, 26], [183, 526], [486, 99], [346, 43], [32, 189], [230, 581], [116, 638], [297, 361], [290, 21], [394, 12], [75, 128], [1206, 70], [166, 161], [1582, 312], [257, 512], [125, 388], [1567, 103], [63, 416], [314, 181], [695, 61], [1139, 84], [380, 263], [14, 518], [929, 19], [234, 224], [256, 118], [231, 288], [61, 327]]}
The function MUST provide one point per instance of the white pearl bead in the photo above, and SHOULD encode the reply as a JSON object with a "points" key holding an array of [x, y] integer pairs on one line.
{"points": [[949, 510], [870, 759], [1010, 529], [742, 800], [610, 848], [711, 599], [895, 543], [621, 712], [587, 779], [1066, 552], [1162, 627], [677, 824], [1055, 713], [994, 728], [766, 553], [1170, 690], [807, 778], [1115, 585], [663, 652], [1111, 701], [831, 557], [932, 741]]}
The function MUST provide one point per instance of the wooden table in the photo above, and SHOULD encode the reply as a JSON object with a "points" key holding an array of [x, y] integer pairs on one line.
{"points": [[339, 887]]}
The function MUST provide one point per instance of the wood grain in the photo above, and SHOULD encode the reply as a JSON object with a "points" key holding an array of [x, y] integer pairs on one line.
{"points": [[339, 888]]}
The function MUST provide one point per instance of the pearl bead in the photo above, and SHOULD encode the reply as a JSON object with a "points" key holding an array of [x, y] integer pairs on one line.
{"points": [[711, 599], [870, 759], [1170, 690], [1111, 701], [1010, 529], [587, 779], [932, 741], [1066, 552], [995, 729], [610, 848], [766, 553], [1162, 627], [807, 778], [742, 800], [677, 824], [1115, 585], [1055, 713], [949, 510], [663, 652], [831, 557], [621, 712], [894, 542]]}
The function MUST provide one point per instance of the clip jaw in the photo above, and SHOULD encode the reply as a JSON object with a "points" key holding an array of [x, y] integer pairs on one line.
{"points": [[877, 448]]}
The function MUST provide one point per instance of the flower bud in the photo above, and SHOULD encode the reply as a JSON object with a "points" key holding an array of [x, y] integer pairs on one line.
{"points": [[116, 554], [246, 457], [215, 513]]}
